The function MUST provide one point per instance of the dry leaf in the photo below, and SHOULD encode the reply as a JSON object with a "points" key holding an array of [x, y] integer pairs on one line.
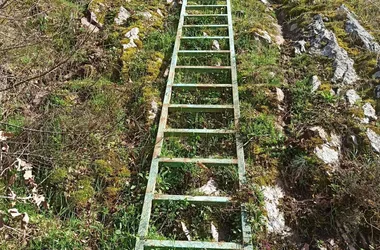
{"points": [[25, 221], [2, 136], [22, 165], [38, 199], [201, 165], [186, 231], [28, 174], [214, 232], [14, 212]]}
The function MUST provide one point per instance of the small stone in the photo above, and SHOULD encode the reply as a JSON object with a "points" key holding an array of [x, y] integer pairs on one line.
{"points": [[265, 2], [133, 33], [321, 132], [146, 15], [327, 154], [88, 25], [263, 35], [293, 27], [122, 16], [316, 83], [377, 92], [94, 20], [153, 111], [369, 111], [215, 45], [300, 47], [210, 188], [280, 95], [352, 97], [376, 75], [374, 139]]}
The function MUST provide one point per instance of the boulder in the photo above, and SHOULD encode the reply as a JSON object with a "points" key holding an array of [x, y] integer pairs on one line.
{"points": [[352, 97], [324, 42], [374, 139], [354, 28]]}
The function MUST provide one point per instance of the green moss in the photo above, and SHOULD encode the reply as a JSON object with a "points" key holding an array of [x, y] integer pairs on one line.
{"points": [[103, 168], [58, 175], [83, 194]]}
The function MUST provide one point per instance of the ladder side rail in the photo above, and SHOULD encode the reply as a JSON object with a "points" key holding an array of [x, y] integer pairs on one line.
{"points": [[149, 194]]}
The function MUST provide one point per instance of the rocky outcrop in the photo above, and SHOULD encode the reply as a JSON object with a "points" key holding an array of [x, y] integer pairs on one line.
{"points": [[324, 42], [359, 33]]}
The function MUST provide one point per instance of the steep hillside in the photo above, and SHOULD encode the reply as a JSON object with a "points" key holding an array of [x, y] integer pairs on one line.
{"points": [[81, 86]]}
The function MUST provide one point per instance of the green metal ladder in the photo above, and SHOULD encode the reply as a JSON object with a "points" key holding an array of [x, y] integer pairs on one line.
{"points": [[150, 196]]}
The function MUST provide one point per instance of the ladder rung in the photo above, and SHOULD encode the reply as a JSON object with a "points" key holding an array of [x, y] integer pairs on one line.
{"points": [[205, 37], [205, 68], [201, 85], [196, 6], [204, 51], [205, 26], [192, 199], [206, 15], [192, 244], [221, 132], [201, 160], [199, 107]]}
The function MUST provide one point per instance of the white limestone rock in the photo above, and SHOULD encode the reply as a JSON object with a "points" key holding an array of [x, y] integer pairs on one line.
{"points": [[374, 139], [215, 45], [299, 47], [153, 110], [123, 16], [275, 218], [85, 23], [324, 42], [354, 28], [369, 111], [352, 97], [210, 188], [280, 95], [327, 154], [316, 83], [133, 34], [264, 35]]}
